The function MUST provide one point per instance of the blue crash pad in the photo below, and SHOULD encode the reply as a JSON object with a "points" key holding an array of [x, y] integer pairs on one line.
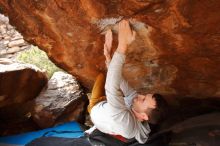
{"points": [[67, 130]]}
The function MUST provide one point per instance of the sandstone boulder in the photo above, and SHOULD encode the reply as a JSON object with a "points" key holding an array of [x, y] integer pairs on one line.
{"points": [[19, 82], [19, 85], [176, 52], [62, 100]]}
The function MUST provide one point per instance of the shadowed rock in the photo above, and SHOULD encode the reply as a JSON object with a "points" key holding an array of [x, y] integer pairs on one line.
{"points": [[199, 130], [19, 85], [19, 82]]}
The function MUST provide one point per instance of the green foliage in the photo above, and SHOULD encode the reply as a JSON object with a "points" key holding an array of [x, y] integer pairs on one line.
{"points": [[40, 59]]}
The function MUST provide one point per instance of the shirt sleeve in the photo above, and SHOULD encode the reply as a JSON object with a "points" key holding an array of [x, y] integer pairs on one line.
{"points": [[128, 92], [114, 77], [126, 88]]}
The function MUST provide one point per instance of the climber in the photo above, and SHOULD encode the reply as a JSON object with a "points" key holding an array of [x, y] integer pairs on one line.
{"points": [[122, 117], [122, 113]]}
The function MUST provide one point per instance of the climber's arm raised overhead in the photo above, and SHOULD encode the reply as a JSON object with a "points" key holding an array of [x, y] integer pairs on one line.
{"points": [[114, 74]]}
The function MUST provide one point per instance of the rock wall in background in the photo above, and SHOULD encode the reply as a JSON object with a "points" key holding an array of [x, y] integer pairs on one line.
{"points": [[11, 41], [176, 52]]}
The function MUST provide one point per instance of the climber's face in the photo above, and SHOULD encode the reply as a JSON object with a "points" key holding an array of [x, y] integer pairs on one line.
{"points": [[143, 105]]}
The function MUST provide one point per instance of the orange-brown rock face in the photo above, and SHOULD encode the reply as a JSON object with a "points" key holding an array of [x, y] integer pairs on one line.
{"points": [[176, 51]]}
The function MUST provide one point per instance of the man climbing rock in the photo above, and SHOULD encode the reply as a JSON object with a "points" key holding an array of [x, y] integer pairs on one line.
{"points": [[122, 113]]}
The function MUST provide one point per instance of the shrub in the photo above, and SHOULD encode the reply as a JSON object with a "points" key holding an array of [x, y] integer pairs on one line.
{"points": [[39, 58]]}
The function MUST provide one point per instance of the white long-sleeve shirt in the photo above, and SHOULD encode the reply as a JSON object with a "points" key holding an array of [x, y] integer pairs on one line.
{"points": [[114, 116]]}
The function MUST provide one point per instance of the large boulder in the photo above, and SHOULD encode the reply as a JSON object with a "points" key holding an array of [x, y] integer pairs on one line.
{"points": [[19, 82], [62, 100], [176, 52], [19, 85], [199, 130]]}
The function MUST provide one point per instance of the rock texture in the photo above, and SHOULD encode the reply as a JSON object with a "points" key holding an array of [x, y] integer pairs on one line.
{"points": [[19, 85], [19, 82], [62, 100], [11, 41], [176, 52], [199, 130], [28, 102]]}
